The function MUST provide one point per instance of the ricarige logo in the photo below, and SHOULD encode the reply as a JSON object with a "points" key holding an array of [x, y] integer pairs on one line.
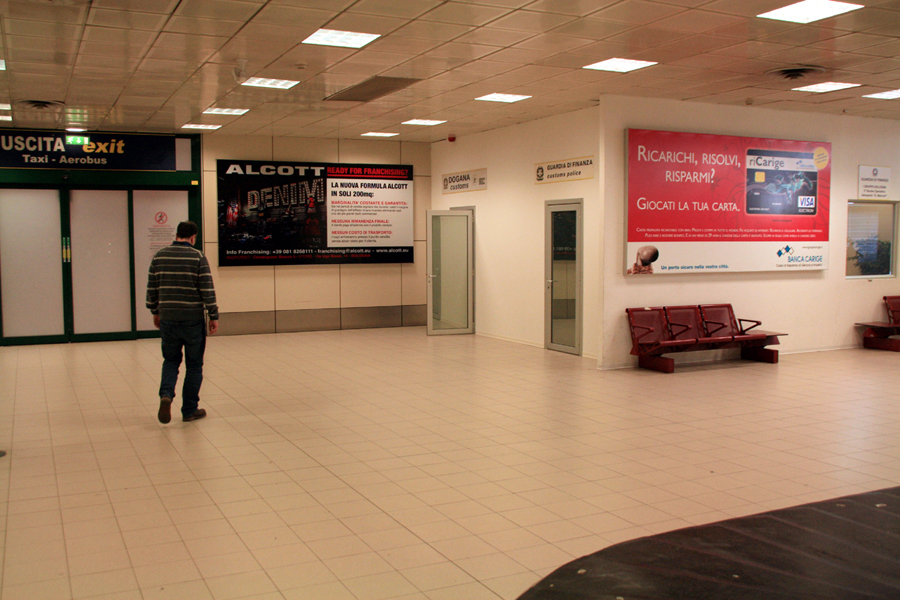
{"points": [[786, 251]]}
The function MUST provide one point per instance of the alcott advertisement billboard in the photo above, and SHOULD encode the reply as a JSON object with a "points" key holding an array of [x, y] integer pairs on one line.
{"points": [[700, 203], [299, 213]]}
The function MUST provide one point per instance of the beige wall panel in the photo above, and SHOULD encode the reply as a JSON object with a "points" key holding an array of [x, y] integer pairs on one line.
{"points": [[244, 147], [311, 149], [241, 289], [210, 195], [370, 285], [368, 151], [421, 204], [305, 287], [413, 277], [417, 154]]}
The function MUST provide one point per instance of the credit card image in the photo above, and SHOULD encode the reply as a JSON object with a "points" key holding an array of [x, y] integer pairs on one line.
{"points": [[781, 183]]}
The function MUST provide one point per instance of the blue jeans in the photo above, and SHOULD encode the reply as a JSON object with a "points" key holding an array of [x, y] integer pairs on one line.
{"points": [[190, 335]]}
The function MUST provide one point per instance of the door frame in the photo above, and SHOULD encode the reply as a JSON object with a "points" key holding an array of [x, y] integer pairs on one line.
{"points": [[470, 272], [551, 206]]}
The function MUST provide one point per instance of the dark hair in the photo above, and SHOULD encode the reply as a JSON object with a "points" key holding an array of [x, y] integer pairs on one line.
{"points": [[185, 230]]}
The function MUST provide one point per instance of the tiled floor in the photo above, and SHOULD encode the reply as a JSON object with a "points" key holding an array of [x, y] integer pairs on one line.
{"points": [[383, 464]]}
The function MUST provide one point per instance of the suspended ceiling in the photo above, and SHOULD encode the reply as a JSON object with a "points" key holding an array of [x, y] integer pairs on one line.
{"points": [[155, 65]]}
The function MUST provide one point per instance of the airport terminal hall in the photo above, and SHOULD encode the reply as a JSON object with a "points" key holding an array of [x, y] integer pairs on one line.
{"points": [[449, 300]]}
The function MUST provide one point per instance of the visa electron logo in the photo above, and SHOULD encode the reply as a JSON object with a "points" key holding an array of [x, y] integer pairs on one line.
{"points": [[786, 251]]}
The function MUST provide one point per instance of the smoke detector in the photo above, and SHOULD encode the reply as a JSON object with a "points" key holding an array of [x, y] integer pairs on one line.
{"points": [[796, 71]]}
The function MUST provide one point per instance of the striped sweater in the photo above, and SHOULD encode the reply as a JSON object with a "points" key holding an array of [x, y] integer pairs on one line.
{"points": [[180, 285]]}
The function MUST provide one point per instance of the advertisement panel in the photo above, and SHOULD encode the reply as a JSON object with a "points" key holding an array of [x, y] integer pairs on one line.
{"points": [[711, 203], [298, 213]]}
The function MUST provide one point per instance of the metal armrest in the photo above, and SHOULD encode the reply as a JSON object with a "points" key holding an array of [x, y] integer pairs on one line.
{"points": [[745, 330], [720, 326], [683, 326]]}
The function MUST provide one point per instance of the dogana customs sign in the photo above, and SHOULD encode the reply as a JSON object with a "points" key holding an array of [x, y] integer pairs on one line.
{"points": [[97, 151], [700, 203], [300, 213]]}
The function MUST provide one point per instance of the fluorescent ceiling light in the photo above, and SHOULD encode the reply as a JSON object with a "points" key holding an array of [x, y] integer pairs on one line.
{"points": [[2, 65], [809, 11], [225, 111], [379, 134], [891, 95], [75, 129], [198, 126], [341, 39], [281, 84], [620, 65], [828, 86], [5, 118], [5, 107], [422, 122], [503, 98]]}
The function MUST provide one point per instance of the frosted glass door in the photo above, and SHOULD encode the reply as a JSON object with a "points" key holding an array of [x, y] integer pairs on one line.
{"points": [[101, 261], [31, 279], [450, 297], [156, 216], [562, 321]]}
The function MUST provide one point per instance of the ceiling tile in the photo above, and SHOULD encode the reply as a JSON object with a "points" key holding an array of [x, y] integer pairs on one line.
{"points": [[229, 10], [464, 14], [126, 19], [199, 26], [151, 6], [391, 8], [294, 17], [578, 8], [534, 22]]}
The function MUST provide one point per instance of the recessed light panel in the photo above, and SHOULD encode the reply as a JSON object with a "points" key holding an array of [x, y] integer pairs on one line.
{"points": [[75, 129], [810, 10], [198, 126], [5, 118], [891, 95], [341, 39], [225, 111], [620, 65], [5, 106], [279, 84], [828, 86], [422, 122], [503, 98], [379, 134], [2, 65]]}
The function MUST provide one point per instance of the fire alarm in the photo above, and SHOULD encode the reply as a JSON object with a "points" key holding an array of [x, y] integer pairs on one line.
{"points": [[451, 138]]}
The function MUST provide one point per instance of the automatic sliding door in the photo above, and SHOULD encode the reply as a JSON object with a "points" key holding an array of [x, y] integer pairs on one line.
{"points": [[31, 256], [101, 261]]}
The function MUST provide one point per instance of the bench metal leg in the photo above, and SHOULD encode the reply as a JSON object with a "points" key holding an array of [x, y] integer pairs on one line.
{"points": [[657, 363], [759, 354]]}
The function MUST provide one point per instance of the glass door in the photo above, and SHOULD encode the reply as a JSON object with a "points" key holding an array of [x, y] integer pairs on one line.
{"points": [[450, 273], [563, 260], [32, 251], [101, 261], [73, 262]]}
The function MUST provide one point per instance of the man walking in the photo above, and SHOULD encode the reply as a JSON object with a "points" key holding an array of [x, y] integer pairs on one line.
{"points": [[179, 292]]}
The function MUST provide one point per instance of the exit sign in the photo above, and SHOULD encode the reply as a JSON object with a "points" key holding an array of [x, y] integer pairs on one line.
{"points": [[77, 140]]}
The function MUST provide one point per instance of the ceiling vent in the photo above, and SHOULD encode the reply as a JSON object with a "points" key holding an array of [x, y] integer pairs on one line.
{"points": [[376, 87], [796, 71], [40, 105]]}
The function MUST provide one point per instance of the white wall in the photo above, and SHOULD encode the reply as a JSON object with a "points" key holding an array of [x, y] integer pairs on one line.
{"points": [[509, 220], [817, 309], [271, 288]]}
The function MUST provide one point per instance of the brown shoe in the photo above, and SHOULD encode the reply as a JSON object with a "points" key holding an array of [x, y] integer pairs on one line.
{"points": [[165, 410], [197, 414]]}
